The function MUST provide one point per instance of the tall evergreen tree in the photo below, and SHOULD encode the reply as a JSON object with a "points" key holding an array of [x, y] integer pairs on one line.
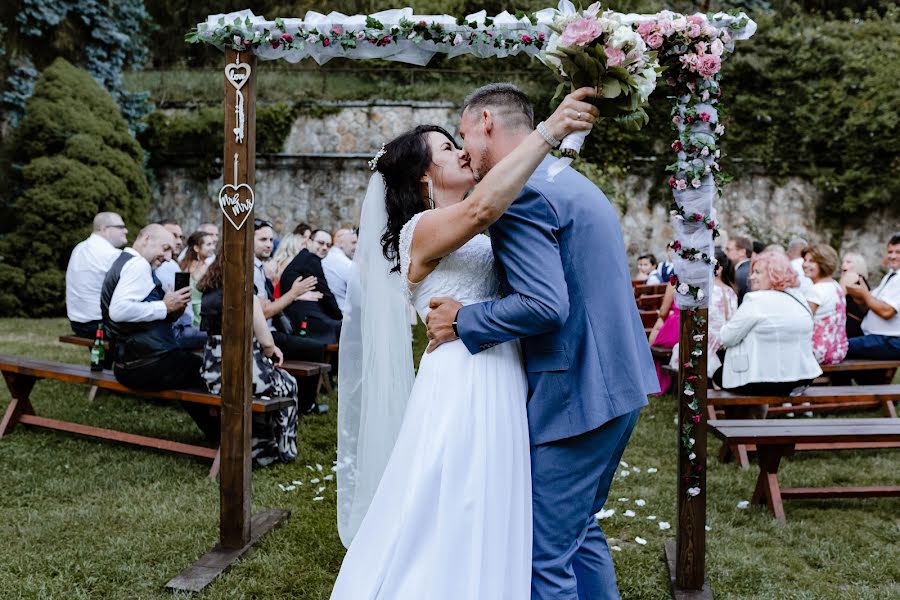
{"points": [[80, 160]]}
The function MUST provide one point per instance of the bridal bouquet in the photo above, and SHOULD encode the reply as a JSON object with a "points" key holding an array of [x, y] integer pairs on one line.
{"points": [[589, 49]]}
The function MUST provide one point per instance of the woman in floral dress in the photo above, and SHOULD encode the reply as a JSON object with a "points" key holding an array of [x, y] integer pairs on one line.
{"points": [[828, 302]]}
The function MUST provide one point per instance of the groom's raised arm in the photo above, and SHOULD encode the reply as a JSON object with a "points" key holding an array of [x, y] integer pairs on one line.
{"points": [[524, 242]]}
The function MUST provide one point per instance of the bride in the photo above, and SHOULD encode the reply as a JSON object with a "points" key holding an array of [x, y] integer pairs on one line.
{"points": [[434, 483]]}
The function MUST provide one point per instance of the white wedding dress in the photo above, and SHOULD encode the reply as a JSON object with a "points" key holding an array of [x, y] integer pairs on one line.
{"points": [[451, 518]]}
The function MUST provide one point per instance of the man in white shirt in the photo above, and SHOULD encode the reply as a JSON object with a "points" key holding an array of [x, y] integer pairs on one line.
{"points": [[138, 315], [881, 325], [88, 264], [166, 271], [795, 252], [337, 265]]}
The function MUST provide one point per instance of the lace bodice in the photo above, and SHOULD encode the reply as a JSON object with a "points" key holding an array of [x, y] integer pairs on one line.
{"points": [[467, 275]]}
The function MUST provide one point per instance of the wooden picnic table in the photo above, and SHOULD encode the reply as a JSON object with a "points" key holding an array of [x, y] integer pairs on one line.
{"points": [[22, 373], [776, 439]]}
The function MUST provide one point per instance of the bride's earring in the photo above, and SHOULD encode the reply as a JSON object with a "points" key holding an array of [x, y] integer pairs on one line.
{"points": [[430, 193]]}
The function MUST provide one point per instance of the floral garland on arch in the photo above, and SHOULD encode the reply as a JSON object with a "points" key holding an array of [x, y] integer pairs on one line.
{"points": [[692, 48]]}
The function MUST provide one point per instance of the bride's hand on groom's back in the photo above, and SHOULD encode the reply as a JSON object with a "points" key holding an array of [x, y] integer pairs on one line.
{"points": [[574, 113]]}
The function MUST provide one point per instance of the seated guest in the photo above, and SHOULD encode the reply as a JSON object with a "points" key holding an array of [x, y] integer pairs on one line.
{"points": [[321, 320], [738, 249], [200, 247], [138, 316], [881, 325], [88, 264], [290, 246], [722, 306], [795, 252], [854, 271], [166, 271], [665, 334], [294, 347], [646, 264], [769, 338], [828, 303], [274, 435], [337, 265], [211, 229], [664, 270]]}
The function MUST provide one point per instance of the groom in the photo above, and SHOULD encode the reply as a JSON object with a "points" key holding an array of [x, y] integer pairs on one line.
{"points": [[568, 297]]}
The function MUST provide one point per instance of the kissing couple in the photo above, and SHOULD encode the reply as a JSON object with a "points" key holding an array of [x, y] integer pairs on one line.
{"points": [[479, 477]]}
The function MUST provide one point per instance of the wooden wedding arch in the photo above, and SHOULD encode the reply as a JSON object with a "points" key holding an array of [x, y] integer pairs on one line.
{"points": [[399, 35]]}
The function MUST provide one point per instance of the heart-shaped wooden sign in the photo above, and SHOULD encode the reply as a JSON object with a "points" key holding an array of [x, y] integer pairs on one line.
{"points": [[237, 74], [236, 202]]}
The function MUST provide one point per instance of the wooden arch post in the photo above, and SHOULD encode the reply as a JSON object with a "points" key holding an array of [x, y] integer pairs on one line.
{"points": [[238, 530]]}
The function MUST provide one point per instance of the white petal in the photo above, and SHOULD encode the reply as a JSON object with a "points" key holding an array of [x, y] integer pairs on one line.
{"points": [[640, 541], [652, 470], [623, 499], [317, 498], [663, 525], [297, 482], [314, 480], [329, 477], [318, 467], [640, 502], [290, 488], [616, 548], [605, 514], [743, 504], [623, 463], [629, 513], [651, 518]]}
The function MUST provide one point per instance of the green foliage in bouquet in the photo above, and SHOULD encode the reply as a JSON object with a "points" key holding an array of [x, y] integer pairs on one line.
{"points": [[79, 160], [619, 100]]}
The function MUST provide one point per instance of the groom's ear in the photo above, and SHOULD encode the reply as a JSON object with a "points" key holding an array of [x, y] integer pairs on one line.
{"points": [[487, 120]]}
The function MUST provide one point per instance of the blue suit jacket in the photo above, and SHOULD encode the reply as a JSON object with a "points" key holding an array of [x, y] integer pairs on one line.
{"points": [[567, 294]]}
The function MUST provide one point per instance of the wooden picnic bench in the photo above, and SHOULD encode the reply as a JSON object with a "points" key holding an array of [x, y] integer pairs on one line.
{"points": [[777, 439], [22, 373], [820, 399], [650, 302], [297, 368], [648, 289]]}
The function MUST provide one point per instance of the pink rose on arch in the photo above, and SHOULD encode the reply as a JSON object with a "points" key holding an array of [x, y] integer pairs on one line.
{"points": [[708, 65], [526, 39], [655, 40], [337, 30], [288, 38], [646, 28], [614, 56], [580, 32], [705, 117], [717, 47], [665, 26], [326, 42], [695, 25], [701, 47]]}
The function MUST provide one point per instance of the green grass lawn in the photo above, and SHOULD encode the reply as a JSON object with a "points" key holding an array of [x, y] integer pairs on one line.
{"points": [[90, 519]]}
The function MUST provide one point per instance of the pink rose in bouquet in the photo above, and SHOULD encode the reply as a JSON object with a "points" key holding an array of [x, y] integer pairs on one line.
{"points": [[655, 40], [708, 65], [614, 56], [695, 25], [580, 32]]}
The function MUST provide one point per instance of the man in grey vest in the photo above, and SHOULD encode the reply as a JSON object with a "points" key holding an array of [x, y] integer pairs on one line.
{"points": [[138, 315]]}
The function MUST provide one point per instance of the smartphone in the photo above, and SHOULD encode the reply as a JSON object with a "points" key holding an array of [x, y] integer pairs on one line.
{"points": [[182, 280]]}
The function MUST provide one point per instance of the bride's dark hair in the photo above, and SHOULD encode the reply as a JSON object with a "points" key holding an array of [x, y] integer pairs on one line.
{"points": [[405, 160]]}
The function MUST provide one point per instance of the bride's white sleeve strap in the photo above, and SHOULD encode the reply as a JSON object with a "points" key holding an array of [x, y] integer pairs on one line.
{"points": [[406, 239], [525, 243]]}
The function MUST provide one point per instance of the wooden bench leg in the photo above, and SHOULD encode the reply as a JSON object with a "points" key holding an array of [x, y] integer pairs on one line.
{"points": [[214, 470], [887, 407], [710, 412], [743, 459], [768, 491], [92, 393], [20, 387]]}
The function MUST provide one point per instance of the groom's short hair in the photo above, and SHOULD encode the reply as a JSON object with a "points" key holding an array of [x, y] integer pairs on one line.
{"points": [[507, 102]]}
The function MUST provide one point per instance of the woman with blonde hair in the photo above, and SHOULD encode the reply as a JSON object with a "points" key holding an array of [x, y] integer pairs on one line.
{"points": [[769, 338], [828, 302], [854, 271], [289, 247]]}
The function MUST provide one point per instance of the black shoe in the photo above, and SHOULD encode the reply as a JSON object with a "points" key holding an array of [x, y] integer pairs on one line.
{"points": [[316, 409]]}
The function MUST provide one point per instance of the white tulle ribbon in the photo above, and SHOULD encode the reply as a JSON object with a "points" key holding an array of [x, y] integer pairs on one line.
{"points": [[570, 148]]}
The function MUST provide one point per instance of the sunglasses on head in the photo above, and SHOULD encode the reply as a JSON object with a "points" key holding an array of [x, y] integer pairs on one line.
{"points": [[260, 223]]}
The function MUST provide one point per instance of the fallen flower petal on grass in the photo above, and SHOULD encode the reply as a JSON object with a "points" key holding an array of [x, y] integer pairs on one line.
{"points": [[640, 541], [640, 502], [663, 525], [629, 513], [743, 504]]}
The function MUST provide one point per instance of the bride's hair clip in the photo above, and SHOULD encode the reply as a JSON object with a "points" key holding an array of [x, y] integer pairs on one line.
{"points": [[373, 164]]}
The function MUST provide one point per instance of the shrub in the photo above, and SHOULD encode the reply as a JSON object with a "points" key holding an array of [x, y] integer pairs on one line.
{"points": [[80, 160]]}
